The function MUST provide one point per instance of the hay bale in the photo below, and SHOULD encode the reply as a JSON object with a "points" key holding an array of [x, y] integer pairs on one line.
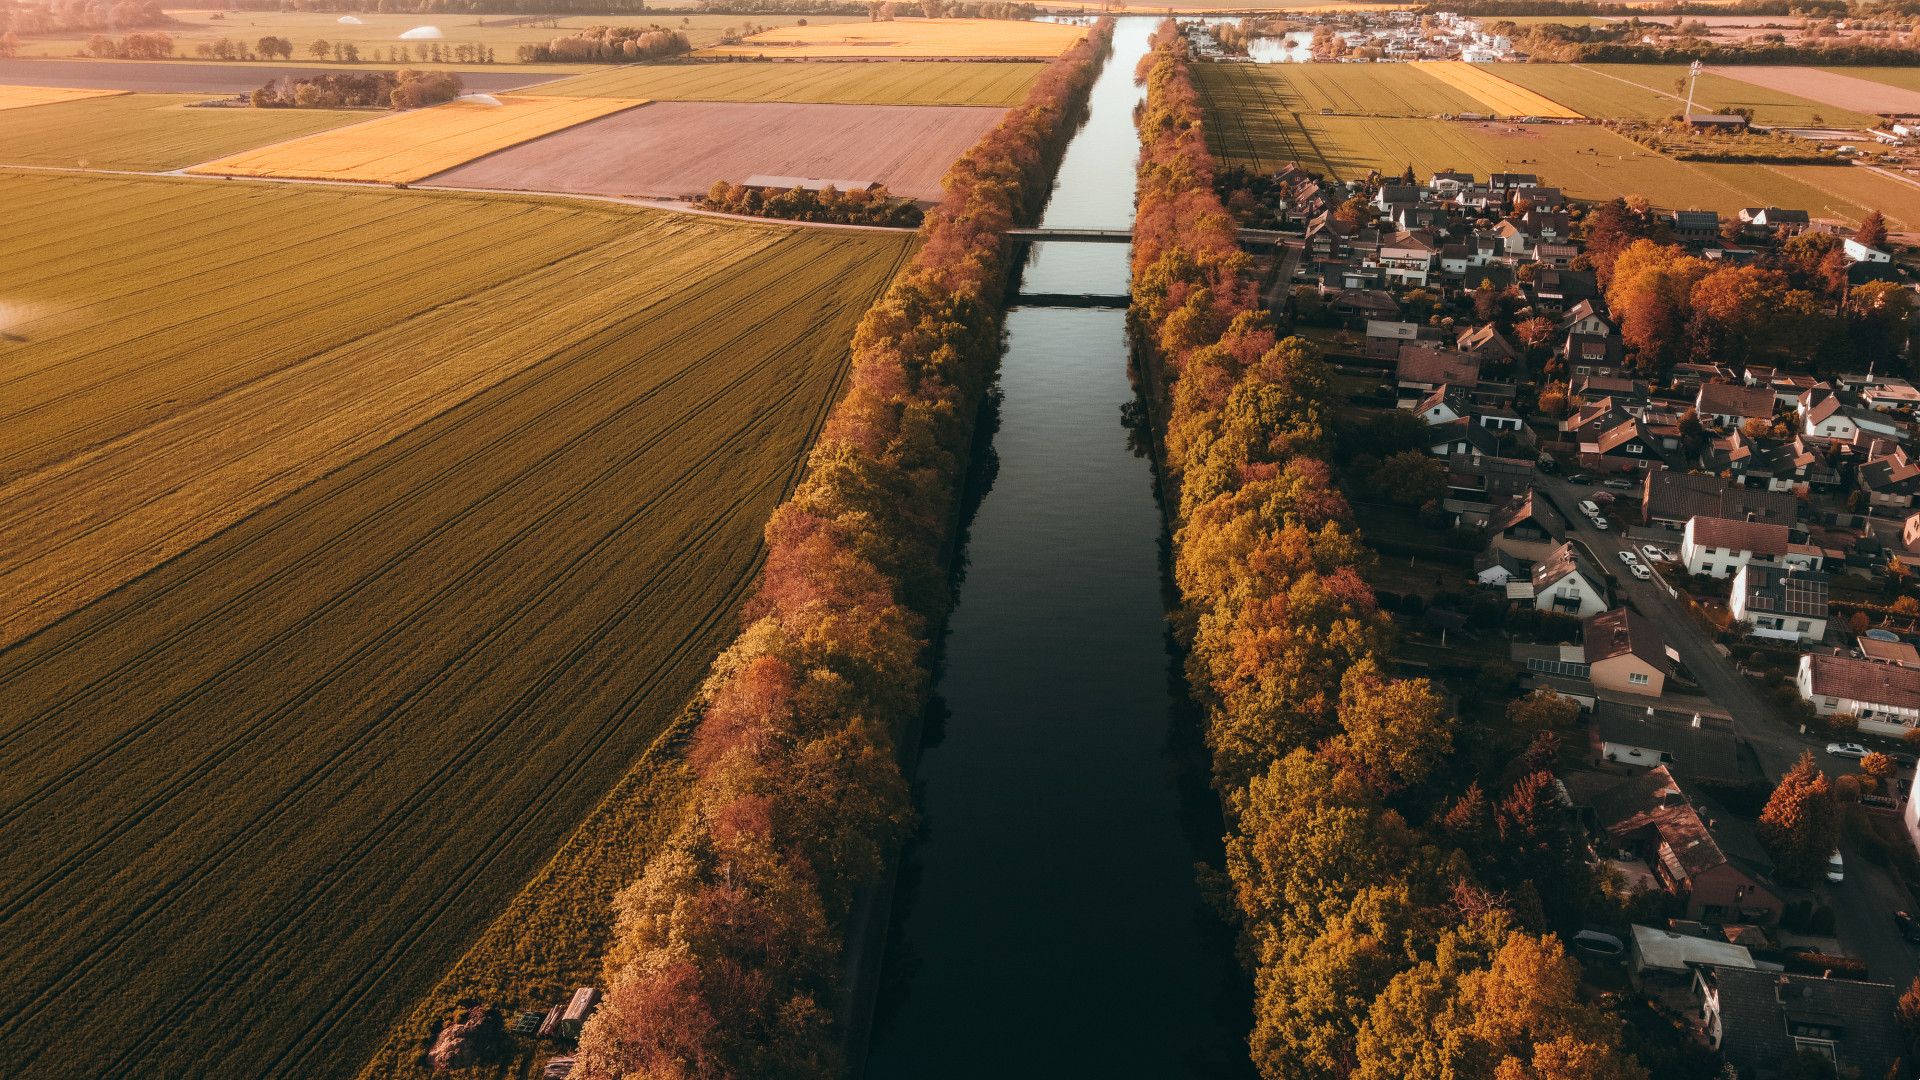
{"points": [[478, 1039]]}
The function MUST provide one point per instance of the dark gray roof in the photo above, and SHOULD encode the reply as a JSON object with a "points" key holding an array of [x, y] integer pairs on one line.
{"points": [[1786, 592], [1675, 496], [1708, 751], [1761, 1010]]}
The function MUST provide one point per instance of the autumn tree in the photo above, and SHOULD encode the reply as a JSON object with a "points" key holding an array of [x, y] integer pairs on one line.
{"points": [[9, 45], [1410, 478], [1394, 732], [318, 48], [1650, 295], [1542, 710], [1800, 825], [1873, 230]]}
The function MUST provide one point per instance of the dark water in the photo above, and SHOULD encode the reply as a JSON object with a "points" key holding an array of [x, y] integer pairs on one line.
{"points": [[1048, 920]]}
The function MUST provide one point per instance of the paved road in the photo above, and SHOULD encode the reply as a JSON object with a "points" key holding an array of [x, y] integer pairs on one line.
{"points": [[216, 77], [1864, 903]]}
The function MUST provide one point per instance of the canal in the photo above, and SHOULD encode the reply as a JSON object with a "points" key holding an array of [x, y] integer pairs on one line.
{"points": [[1048, 919]]}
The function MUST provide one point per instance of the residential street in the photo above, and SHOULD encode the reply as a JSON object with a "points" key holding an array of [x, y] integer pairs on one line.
{"points": [[1864, 903]]}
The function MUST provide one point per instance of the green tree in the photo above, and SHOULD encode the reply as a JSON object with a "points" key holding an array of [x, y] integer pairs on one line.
{"points": [[1800, 825]]}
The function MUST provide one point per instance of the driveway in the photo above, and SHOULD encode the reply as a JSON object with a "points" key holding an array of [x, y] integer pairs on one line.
{"points": [[1864, 903]]}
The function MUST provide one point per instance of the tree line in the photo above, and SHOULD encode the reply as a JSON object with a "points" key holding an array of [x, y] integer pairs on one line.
{"points": [[866, 207], [70, 16], [609, 44], [403, 89], [1626, 43], [1394, 902], [727, 949], [972, 9]]}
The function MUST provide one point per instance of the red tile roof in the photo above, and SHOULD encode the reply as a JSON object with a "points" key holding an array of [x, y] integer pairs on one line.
{"points": [[1864, 680], [1755, 536]]}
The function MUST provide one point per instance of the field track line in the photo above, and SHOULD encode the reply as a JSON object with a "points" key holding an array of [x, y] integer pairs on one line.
{"points": [[1630, 82], [659, 435]]}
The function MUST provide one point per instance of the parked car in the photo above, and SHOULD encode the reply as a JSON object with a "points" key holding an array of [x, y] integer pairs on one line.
{"points": [[1909, 929], [1600, 946], [1846, 749], [1547, 464], [1589, 507], [1620, 485], [1652, 553], [1629, 558], [1579, 478], [1902, 758], [1640, 571], [1836, 868], [1600, 523]]}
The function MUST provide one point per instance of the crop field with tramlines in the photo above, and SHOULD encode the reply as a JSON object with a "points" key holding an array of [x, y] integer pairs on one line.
{"points": [[825, 82], [341, 587], [902, 39], [413, 145], [1249, 124], [149, 132]]}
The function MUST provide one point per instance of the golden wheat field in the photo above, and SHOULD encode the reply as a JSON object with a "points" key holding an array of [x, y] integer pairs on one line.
{"points": [[357, 542], [1500, 96], [21, 97], [901, 38], [408, 146]]}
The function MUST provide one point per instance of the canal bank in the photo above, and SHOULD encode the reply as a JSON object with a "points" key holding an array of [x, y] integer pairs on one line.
{"points": [[1048, 918]]}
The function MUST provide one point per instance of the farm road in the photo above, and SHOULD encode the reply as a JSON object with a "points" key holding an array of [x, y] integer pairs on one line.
{"points": [[179, 77]]}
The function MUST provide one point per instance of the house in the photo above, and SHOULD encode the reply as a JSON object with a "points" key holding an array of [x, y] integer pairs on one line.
{"points": [[1449, 182], [1672, 498], [1891, 481], [1408, 257], [1422, 369], [1621, 446], [1729, 405], [1624, 652], [1885, 697], [1899, 653], [1494, 569], [1566, 583], [1385, 336], [1765, 220], [1556, 255], [1695, 227], [1513, 182], [1363, 303], [1697, 852], [1825, 415], [1657, 952], [1527, 528], [1445, 405], [1859, 252], [1487, 343], [1692, 745], [1759, 1019], [1558, 289], [1786, 605], [1719, 546]]}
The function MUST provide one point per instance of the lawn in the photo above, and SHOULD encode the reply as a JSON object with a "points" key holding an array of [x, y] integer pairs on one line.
{"points": [[149, 132], [500, 471], [900, 39], [413, 145], [1356, 89], [904, 82], [504, 34]]}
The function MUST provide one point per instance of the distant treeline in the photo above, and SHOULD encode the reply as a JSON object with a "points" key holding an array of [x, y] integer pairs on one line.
{"points": [[83, 16], [403, 89], [136, 46], [1492, 9], [609, 44], [726, 952], [1622, 44], [968, 9], [1395, 887], [876, 207]]}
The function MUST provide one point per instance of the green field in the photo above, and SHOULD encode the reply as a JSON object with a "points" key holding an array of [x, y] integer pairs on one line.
{"points": [[1906, 78], [1589, 91], [192, 28], [1354, 89], [1611, 87], [1585, 160], [502, 466], [149, 132], [902, 82]]}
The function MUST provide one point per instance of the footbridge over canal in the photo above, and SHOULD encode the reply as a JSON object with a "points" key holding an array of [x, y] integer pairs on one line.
{"points": [[1250, 238]]}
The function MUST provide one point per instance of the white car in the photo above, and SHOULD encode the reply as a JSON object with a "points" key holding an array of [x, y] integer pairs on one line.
{"points": [[1836, 868], [1652, 553], [1640, 571], [1600, 523], [1846, 749], [1629, 558]]}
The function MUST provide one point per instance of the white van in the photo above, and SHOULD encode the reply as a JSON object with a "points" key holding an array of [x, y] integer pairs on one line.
{"points": [[1589, 508]]}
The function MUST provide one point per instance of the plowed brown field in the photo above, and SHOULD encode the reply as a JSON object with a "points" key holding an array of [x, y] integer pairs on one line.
{"points": [[679, 148], [498, 518]]}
